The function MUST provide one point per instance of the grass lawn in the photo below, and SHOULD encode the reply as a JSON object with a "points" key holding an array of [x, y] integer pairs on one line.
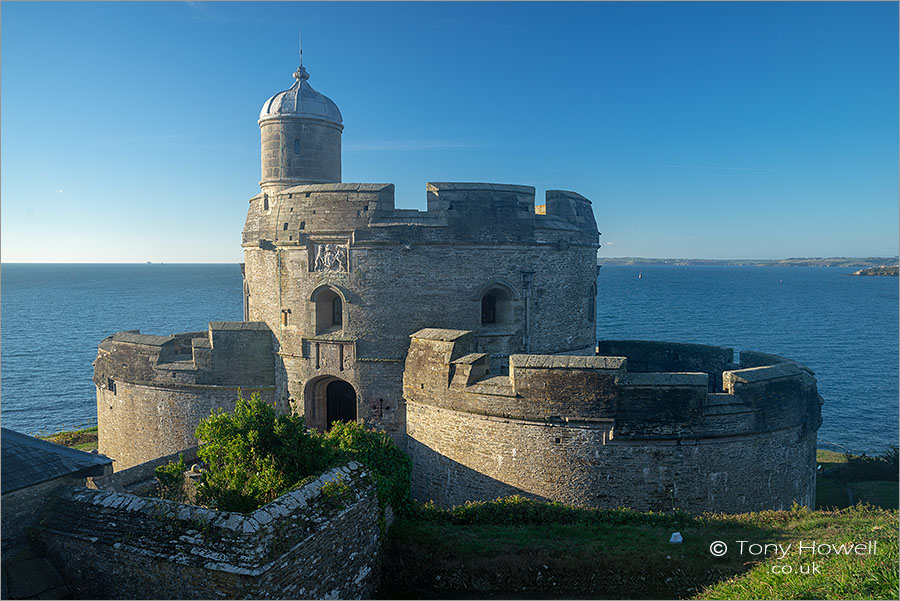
{"points": [[597, 557], [83, 440]]}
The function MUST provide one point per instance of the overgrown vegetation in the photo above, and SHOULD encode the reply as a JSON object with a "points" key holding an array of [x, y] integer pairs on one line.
{"points": [[253, 455], [171, 479], [557, 551], [844, 479]]}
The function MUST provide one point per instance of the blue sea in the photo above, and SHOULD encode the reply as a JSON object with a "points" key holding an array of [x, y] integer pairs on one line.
{"points": [[844, 328]]}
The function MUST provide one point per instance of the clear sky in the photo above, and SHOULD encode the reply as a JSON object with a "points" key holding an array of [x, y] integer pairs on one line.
{"points": [[713, 130]]}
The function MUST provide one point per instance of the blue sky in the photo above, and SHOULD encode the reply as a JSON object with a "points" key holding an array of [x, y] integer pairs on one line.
{"points": [[716, 130]]}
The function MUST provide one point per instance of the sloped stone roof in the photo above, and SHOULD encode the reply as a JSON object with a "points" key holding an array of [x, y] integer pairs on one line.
{"points": [[26, 461]]}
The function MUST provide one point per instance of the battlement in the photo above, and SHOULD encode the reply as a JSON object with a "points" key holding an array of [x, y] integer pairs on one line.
{"points": [[700, 394], [456, 212], [229, 353]]}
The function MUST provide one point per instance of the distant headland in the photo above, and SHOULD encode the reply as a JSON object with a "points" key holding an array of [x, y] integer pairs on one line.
{"points": [[879, 263], [889, 270]]}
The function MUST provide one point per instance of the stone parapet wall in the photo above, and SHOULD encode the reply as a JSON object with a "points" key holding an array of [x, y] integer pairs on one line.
{"points": [[470, 213], [229, 353], [305, 544], [586, 430], [152, 391]]}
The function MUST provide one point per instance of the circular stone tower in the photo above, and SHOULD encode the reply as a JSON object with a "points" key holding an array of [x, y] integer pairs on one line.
{"points": [[301, 137]]}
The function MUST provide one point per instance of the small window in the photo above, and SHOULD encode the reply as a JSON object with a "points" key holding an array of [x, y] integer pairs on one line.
{"points": [[266, 202], [285, 227], [489, 308], [592, 304], [337, 311], [296, 146]]}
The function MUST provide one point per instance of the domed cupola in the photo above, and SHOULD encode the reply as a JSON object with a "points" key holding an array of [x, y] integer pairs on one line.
{"points": [[301, 137], [300, 100]]}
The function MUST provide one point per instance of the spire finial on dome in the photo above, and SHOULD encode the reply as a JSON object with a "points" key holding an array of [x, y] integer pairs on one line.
{"points": [[300, 41], [300, 74]]}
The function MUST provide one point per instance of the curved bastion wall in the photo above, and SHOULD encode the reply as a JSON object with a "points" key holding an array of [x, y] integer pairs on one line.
{"points": [[152, 391], [613, 430], [343, 278]]}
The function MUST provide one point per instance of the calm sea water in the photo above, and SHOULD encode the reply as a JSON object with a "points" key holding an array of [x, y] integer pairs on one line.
{"points": [[845, 329]]}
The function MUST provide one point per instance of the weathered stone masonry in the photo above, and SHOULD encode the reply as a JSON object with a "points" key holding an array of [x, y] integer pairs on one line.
{"points": [[152, 391], [589, 431], [303, 545]]}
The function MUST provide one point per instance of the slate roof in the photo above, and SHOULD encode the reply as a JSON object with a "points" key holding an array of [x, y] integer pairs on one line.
{"points": [[26, 461]]}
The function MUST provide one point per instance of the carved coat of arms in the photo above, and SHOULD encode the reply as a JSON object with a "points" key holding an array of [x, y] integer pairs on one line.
{"points": [[331, 257]]}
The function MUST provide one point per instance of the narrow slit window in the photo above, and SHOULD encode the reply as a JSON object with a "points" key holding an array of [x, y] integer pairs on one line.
{"points": [[296, 145]]}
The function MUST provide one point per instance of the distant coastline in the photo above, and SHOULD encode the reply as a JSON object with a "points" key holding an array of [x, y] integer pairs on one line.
{"points": [[883, 270], [857, 262]]}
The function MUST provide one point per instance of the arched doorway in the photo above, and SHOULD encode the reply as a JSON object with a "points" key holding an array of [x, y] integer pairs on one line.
{"points": [[328, 400], [340, 403]]}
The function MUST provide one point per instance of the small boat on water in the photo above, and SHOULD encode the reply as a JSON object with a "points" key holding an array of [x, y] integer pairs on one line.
{"points": [[641, 275]]}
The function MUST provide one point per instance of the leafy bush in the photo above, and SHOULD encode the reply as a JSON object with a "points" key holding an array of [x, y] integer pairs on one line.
{"points": [[335, 492], [378, 452], [863, 467], [171, 479], [254, 455]]}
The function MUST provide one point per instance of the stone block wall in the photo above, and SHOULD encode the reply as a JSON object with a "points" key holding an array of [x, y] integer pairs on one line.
{"points": [[585, 430], [305, 544], [152, 391], [397, 271], [21, 508]]}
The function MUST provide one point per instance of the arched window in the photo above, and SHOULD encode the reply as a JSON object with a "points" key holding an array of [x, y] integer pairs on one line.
{"points": [[329, 307], [496, 306], [296, 145], [489, 308]]}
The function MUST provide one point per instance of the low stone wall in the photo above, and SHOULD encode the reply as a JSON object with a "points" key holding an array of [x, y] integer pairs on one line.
{"points": [[589, 431], [21, 508], [305, 544]]}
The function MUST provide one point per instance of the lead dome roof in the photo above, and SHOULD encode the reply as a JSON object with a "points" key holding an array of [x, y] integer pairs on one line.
{"points": [[300, 100]]}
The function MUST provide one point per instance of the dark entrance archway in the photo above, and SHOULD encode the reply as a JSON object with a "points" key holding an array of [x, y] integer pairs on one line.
{"points": [[340, 403]]}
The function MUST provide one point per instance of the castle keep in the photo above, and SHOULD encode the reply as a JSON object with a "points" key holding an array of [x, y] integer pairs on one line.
{"points": [[466, 331]]}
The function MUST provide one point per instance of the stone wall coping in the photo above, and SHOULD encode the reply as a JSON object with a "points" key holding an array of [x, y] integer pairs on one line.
{"points": [[133, 337], [238, 325], [761, 374], [242, 534], [673, 346], [437, 186], [440, 334], [337, 187], [566, 362], [469, 359], [698, 379]]}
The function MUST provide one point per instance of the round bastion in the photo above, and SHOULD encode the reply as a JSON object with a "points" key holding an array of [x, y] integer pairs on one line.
{"points": [[647, 425]]}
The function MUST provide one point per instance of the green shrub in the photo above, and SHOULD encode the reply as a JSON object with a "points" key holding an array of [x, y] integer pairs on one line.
{"points": [[171, 479], [376, 450], [335, 492], [521, 511], [864, 467], [254, 455]]}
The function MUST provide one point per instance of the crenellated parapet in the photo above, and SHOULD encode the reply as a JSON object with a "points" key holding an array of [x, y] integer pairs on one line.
{"points": [[443, 370], [474, 434], [152, 391], [229, 353], [456, 213]]}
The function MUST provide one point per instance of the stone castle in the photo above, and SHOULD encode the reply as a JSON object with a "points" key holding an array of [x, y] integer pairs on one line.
{"points": [[467, 332]]}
